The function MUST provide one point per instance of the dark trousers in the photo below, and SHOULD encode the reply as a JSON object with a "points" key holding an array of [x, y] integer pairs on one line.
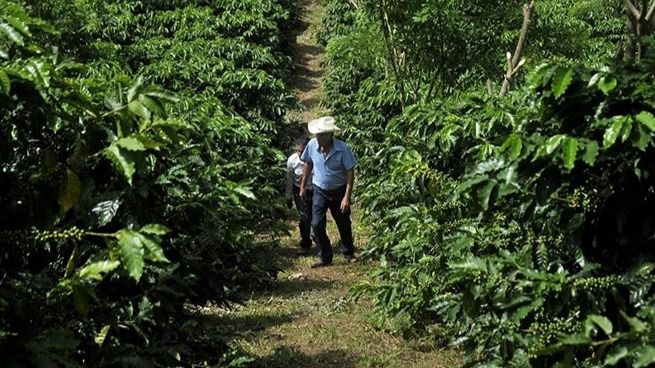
{"points": [[304, 207], [322, 201]]}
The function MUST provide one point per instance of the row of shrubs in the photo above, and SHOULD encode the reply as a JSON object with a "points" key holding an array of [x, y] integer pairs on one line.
{"points": [[136, 144], [514, 228]]}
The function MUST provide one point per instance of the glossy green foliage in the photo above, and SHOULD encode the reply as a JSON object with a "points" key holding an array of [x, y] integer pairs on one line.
{"points": [[135, 150], [515, 228]]}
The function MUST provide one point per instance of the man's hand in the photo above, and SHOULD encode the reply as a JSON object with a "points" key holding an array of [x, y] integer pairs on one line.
{"points": [[345, 205]]}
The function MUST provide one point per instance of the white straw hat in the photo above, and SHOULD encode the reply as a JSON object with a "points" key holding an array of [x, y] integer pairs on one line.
{"points": [[323, 124]]}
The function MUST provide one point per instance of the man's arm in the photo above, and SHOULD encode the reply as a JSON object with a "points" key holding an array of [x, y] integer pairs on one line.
{"points": [[305, 176], [350, 179]]}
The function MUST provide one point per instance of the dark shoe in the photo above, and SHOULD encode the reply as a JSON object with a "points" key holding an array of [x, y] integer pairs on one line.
{"points": [[350, 258], [321, 264], [303, 252]]}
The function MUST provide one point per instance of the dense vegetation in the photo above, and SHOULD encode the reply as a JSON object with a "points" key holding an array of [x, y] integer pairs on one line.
{"points": [[506, 171], [515, 226], [136, 141]]}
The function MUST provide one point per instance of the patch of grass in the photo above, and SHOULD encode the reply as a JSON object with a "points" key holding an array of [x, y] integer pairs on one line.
{"points": [[306, 320]]}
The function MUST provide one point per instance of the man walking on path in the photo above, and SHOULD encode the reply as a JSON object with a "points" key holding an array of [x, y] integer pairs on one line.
{"points": [[332, 164]]}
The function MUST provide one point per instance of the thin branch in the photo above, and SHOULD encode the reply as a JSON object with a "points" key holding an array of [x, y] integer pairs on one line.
{"points": [[514, 61], [632, 9], [649, 14], [527, 17], [387, 32]]}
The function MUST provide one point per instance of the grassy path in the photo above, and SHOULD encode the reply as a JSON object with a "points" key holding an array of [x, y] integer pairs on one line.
{"points": [[305, 319]]}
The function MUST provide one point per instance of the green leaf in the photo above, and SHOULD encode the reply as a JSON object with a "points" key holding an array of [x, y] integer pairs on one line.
{"points": [[130, 249], [561, 81], [131, 144], [102, 335], [155, 229], [12, 33], [5, 83], [645, 356], [163, 96], [636, 325], [591, 152], [154, 105], [514, 145], [148, 143], [106, 211], [607, 84], [615, 355], [94, 271], [18, 24], [69, 192], [135, 90], [647, 119], [484, 194], [640, 138], [601, 321], [612, 132], [122, 163], [594, 79], [244, 191], [569, 152], [137, 108], [627, 129], [553, 142], [471, 264], [154, 251]]}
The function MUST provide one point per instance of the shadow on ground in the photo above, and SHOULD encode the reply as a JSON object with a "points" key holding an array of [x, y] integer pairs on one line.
{"points": [[289, 287], [241, 324], [289, 357]]}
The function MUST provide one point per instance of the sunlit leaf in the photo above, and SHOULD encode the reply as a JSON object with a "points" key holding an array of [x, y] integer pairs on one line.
{"points": [[601, 321], [122, 163], [155, 229], [131, 144], [102, 335], [591, 152], [561, 81], [94, 271], [647, 119], [607, 84], [106, 211], [11, 33], [612, 132], [569, 152], [131, 252]]}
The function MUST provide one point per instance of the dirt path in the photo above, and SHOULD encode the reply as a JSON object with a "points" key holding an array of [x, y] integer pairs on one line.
{"points": [[308, 56], [306, 320]]}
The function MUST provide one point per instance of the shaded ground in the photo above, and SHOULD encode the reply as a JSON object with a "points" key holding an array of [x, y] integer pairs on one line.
{"points": [[306, 320]]}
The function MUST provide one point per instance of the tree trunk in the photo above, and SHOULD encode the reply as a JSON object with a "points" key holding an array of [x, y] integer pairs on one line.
{"points": [[515, 62], [640, 22]]}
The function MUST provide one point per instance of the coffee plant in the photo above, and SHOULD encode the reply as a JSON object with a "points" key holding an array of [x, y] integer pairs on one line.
{"points": [[136, 140], [515, 228]]}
